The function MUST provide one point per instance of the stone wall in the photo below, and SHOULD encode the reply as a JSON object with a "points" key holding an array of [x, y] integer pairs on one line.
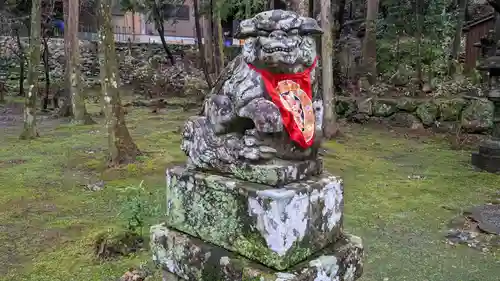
{"points": [[88, 57], [473, 115], [144, 65]]}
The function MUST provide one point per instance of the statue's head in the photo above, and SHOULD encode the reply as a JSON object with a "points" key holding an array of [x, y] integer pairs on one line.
{"points": [[279, 40]]}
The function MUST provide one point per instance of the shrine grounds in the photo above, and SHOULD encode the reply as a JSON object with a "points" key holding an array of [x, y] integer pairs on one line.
{"points": [[401, 192]]}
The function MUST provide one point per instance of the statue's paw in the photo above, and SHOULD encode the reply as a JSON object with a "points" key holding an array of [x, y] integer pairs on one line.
{"points": [[258, 153], [264, 114], [250, 153], [220, 112], [250, 140], [267, 152]]}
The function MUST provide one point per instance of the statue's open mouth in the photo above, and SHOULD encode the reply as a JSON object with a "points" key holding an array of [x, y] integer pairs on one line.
{"points": [[278, 49]]}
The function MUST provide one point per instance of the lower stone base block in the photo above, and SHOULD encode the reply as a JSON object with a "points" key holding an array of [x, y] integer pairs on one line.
{"points": [[183, 257], [488, 163]]}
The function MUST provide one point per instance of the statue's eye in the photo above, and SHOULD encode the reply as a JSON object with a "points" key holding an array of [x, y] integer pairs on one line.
{"points": [[294, 31], [262, 33]]}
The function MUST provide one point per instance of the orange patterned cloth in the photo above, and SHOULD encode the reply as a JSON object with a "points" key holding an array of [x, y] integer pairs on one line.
{"points": [[292, 94]]}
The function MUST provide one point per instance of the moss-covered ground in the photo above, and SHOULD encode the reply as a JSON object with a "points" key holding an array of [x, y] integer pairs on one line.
{"points": [[49, 220]]}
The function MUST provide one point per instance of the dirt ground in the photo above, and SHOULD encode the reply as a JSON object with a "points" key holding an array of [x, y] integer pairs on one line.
{"points": [[401, 190]]}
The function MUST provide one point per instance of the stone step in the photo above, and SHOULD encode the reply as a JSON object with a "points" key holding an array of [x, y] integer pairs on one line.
{"points": [[183, 257], [278, 227]]}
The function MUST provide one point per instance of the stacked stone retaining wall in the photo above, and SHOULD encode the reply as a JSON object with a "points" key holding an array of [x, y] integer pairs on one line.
{"points": [[472, 114]]}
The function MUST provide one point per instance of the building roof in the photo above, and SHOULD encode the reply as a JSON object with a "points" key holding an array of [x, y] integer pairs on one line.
{"points": [[116, 10], [480, 20]]}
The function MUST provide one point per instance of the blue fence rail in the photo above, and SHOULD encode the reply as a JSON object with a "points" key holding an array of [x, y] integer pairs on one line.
{"points": [[121, 33]]}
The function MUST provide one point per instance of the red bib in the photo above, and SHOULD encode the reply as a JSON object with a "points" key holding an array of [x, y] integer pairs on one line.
{"points": [[292, 94]]}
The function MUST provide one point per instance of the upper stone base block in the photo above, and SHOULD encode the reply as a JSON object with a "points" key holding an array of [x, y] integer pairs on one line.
{"points": [[191, 259], [278, 172], [277, 227]]}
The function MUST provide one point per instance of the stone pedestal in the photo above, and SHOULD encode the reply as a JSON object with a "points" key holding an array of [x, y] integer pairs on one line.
{"points": [[189, 258], [220, 227], [277, 227], [488, 157], [253, 202]]}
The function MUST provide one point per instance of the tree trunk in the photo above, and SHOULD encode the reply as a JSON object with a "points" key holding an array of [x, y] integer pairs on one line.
{"points": [[292, 5], [271, 4], [455, 47], [122, 148], [29, 130], [370, 43], [208, 41], [22, 72], [201, 48], [210, 37], [66, 109], [338, 22], [80, 115], [133, 26], [248, 9], [418, 35], [219, 43], [46, 68], [330, 126], [161, 32], [299, 6], [3, 90], [22, 61]]}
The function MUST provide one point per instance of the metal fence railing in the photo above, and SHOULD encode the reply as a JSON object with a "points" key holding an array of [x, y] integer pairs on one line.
{"points": [[122, 34]]}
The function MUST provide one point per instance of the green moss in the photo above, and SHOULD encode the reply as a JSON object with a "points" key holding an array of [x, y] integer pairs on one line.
{"points": [[132, 169], [94, 164], [190, 211], [53, 217], [402, 220], [449, 110], [256, 174], [251, 244], [54, 220]]}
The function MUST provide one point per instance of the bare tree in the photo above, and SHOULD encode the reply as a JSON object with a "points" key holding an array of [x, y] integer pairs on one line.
{"points": [[217, 31], [80, 115], [46, 30], [201, 47], [66, 109], [369, 45], [19, 52], [330, 127], [30, 130], [299, 6], [22, 61], [122, 148], [3, 91], [455, 46], [158, 12], [418, 35], [208, 41]]}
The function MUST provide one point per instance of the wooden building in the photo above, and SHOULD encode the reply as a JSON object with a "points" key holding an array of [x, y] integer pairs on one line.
{"points": [[473, 31]]}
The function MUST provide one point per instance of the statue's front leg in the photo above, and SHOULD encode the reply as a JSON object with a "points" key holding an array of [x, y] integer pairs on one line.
{"points": [[264, 114], [267, 119]]}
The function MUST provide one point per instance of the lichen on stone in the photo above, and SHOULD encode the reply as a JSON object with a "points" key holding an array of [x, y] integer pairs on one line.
{"points": [[276, 226], [192, 259]]}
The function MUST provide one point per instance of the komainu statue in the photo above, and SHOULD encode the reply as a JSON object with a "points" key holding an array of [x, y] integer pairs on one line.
{"points": [[253, 201], [265, 106]]}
